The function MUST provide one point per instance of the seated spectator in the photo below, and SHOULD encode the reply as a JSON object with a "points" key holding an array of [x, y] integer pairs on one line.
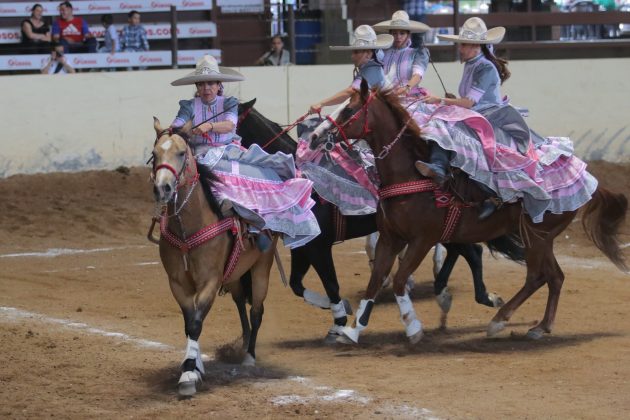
{"points": [[35, 32], [277, 56], [134, 36], [57, 63], [72, 32], [112, 44]]}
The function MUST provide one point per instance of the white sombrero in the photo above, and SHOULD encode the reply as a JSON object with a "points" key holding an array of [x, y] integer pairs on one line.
{"points": [[475, 31], [400, 21], [207, 70], [364, 38]]}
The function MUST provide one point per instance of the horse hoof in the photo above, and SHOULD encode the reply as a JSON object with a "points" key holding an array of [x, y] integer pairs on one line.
{"points": [[348, 336], [535, 334], [445, 300], [331, 339], [495, 327], [415, 338], [187, 385], [248, 361], [347, 306], [342, 339], [186, 389], [496, 300], [411, 283]]}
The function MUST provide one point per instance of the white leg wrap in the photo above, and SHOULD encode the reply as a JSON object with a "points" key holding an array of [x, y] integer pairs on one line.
{"points": [[408, 315], [315, 299], [353, 333], [193, 352], [338, 309]]}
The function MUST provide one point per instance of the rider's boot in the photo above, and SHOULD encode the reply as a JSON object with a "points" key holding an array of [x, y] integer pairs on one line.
{"points": [[436, 168]]}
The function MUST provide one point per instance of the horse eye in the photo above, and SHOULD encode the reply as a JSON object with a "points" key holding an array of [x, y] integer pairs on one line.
{"points": [[182, 153]]}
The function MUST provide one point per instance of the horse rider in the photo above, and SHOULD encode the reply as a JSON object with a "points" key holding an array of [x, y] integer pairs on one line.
{"points": [[263, 189]]}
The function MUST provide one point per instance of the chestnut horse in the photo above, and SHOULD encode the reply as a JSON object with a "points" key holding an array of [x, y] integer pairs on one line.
{"points": [[196, 245], [414, 220]]}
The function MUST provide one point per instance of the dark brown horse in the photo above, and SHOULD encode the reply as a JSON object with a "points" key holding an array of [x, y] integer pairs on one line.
{"points": [[196, 249], [414, 220]]}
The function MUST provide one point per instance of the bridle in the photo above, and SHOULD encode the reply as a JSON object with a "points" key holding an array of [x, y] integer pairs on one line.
{"points": [[366, 129], [188, 168]]}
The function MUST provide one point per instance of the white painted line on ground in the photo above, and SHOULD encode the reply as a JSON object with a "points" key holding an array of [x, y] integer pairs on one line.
{"points": [[17, 314], [56, 252]]}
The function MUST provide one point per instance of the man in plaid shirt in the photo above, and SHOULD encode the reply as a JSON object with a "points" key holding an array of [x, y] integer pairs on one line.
{"points": [[415, 10], [134, 36]]}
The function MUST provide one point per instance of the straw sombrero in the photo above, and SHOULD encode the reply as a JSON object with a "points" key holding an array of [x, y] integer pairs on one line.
{"points": [[364, 38], [207, 70], [400, 21], [474, 31]]}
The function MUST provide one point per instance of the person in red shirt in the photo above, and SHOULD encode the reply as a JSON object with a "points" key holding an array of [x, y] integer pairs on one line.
{"points": [[72, 32]]}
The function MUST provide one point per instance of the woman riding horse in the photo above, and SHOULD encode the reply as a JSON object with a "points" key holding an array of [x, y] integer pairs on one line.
{"points": [[262, 188], [403, 65]]}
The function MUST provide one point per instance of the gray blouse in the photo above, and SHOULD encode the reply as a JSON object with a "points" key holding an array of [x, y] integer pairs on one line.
{"points": [[481, 83]]}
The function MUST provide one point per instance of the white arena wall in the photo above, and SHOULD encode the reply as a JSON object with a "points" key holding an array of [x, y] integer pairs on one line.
{"points": [[103, 119]]}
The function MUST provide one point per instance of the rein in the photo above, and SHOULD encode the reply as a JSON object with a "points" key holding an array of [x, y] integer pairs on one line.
{"points": [[353, 118]]}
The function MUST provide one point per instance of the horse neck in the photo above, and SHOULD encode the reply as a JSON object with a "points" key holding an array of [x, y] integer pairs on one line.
{"points": [[257, 129], [398, 165]]}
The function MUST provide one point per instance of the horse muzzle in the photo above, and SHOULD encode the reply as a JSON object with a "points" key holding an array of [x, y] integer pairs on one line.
{"points": [[163, 192]]}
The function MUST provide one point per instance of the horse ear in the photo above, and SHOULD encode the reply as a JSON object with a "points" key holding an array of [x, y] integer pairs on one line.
{"points": [[365, 90], [187, 129], [157, 126], [249, 104]]}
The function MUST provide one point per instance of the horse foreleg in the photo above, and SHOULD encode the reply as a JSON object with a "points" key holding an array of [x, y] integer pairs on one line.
{"points": [[416, 251], [323, 262], [440, 285], [370, 247], [438, 259], [386, 251], [300, 263]]}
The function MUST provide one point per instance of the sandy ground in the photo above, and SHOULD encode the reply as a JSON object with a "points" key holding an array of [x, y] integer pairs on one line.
{"points": [[88, 327]]}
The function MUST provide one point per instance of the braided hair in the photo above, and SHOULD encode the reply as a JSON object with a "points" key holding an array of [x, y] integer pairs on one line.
{"points": [[499, 63]]}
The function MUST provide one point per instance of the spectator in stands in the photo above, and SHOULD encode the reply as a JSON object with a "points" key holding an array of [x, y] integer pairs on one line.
{"points": [[57, 63], [134, 36], [415, 10], [35, 32], [277, 56], [72, 32], [112, 43]]}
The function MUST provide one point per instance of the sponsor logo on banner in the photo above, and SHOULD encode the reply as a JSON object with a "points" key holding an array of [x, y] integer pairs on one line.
{"points": [[116, 60], [154, 60], [193, 3], [10, 35], [158, 5], [130, 6], [96, 7], [82, 61], [7, 9], [16, 62]]}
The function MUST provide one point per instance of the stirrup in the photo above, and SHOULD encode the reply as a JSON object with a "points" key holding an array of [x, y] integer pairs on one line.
{"points": [[489, 206], [428, 170]]}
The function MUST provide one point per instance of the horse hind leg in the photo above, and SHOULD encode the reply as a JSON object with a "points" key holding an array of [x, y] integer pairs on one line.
{"points": [[554, 283], [239, 292], [473, 255]]}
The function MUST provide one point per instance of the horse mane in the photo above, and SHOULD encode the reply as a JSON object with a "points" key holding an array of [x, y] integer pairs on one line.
{"points": [[400, 112], [208, 181], [262, 130]]}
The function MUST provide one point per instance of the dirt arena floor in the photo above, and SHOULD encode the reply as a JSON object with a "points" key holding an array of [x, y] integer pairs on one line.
{"points": [[88, 327]]}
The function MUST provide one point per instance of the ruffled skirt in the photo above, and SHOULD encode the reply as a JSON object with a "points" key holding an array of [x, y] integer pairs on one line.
{"points": [[264, 190]]}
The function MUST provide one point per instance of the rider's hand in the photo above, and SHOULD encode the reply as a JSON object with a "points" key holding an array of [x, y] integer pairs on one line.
{"points": [[402, 90], [203, 128], [315, 109], [430, 99]]}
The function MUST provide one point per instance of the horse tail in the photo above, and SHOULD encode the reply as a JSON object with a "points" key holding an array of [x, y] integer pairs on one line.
{"points": [[246, 284], [603, 216], [510, 245]]}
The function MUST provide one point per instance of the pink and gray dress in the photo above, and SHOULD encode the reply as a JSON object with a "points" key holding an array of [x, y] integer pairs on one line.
{"points": [[492, 143], [263, 188], [401, 64]]}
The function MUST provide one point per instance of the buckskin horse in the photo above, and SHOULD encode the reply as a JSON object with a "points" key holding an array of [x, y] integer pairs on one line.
{"points": [[408, 215], [202, 250], [253, 127]]}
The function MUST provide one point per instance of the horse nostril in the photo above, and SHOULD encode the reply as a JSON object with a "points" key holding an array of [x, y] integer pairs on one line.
{"points": [[167, 188], [313, 137]]}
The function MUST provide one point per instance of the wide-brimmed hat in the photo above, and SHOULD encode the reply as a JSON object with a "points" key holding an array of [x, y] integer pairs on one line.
{"points": [[364, 38], [400, 21], [207, 70], [474, 31]]}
